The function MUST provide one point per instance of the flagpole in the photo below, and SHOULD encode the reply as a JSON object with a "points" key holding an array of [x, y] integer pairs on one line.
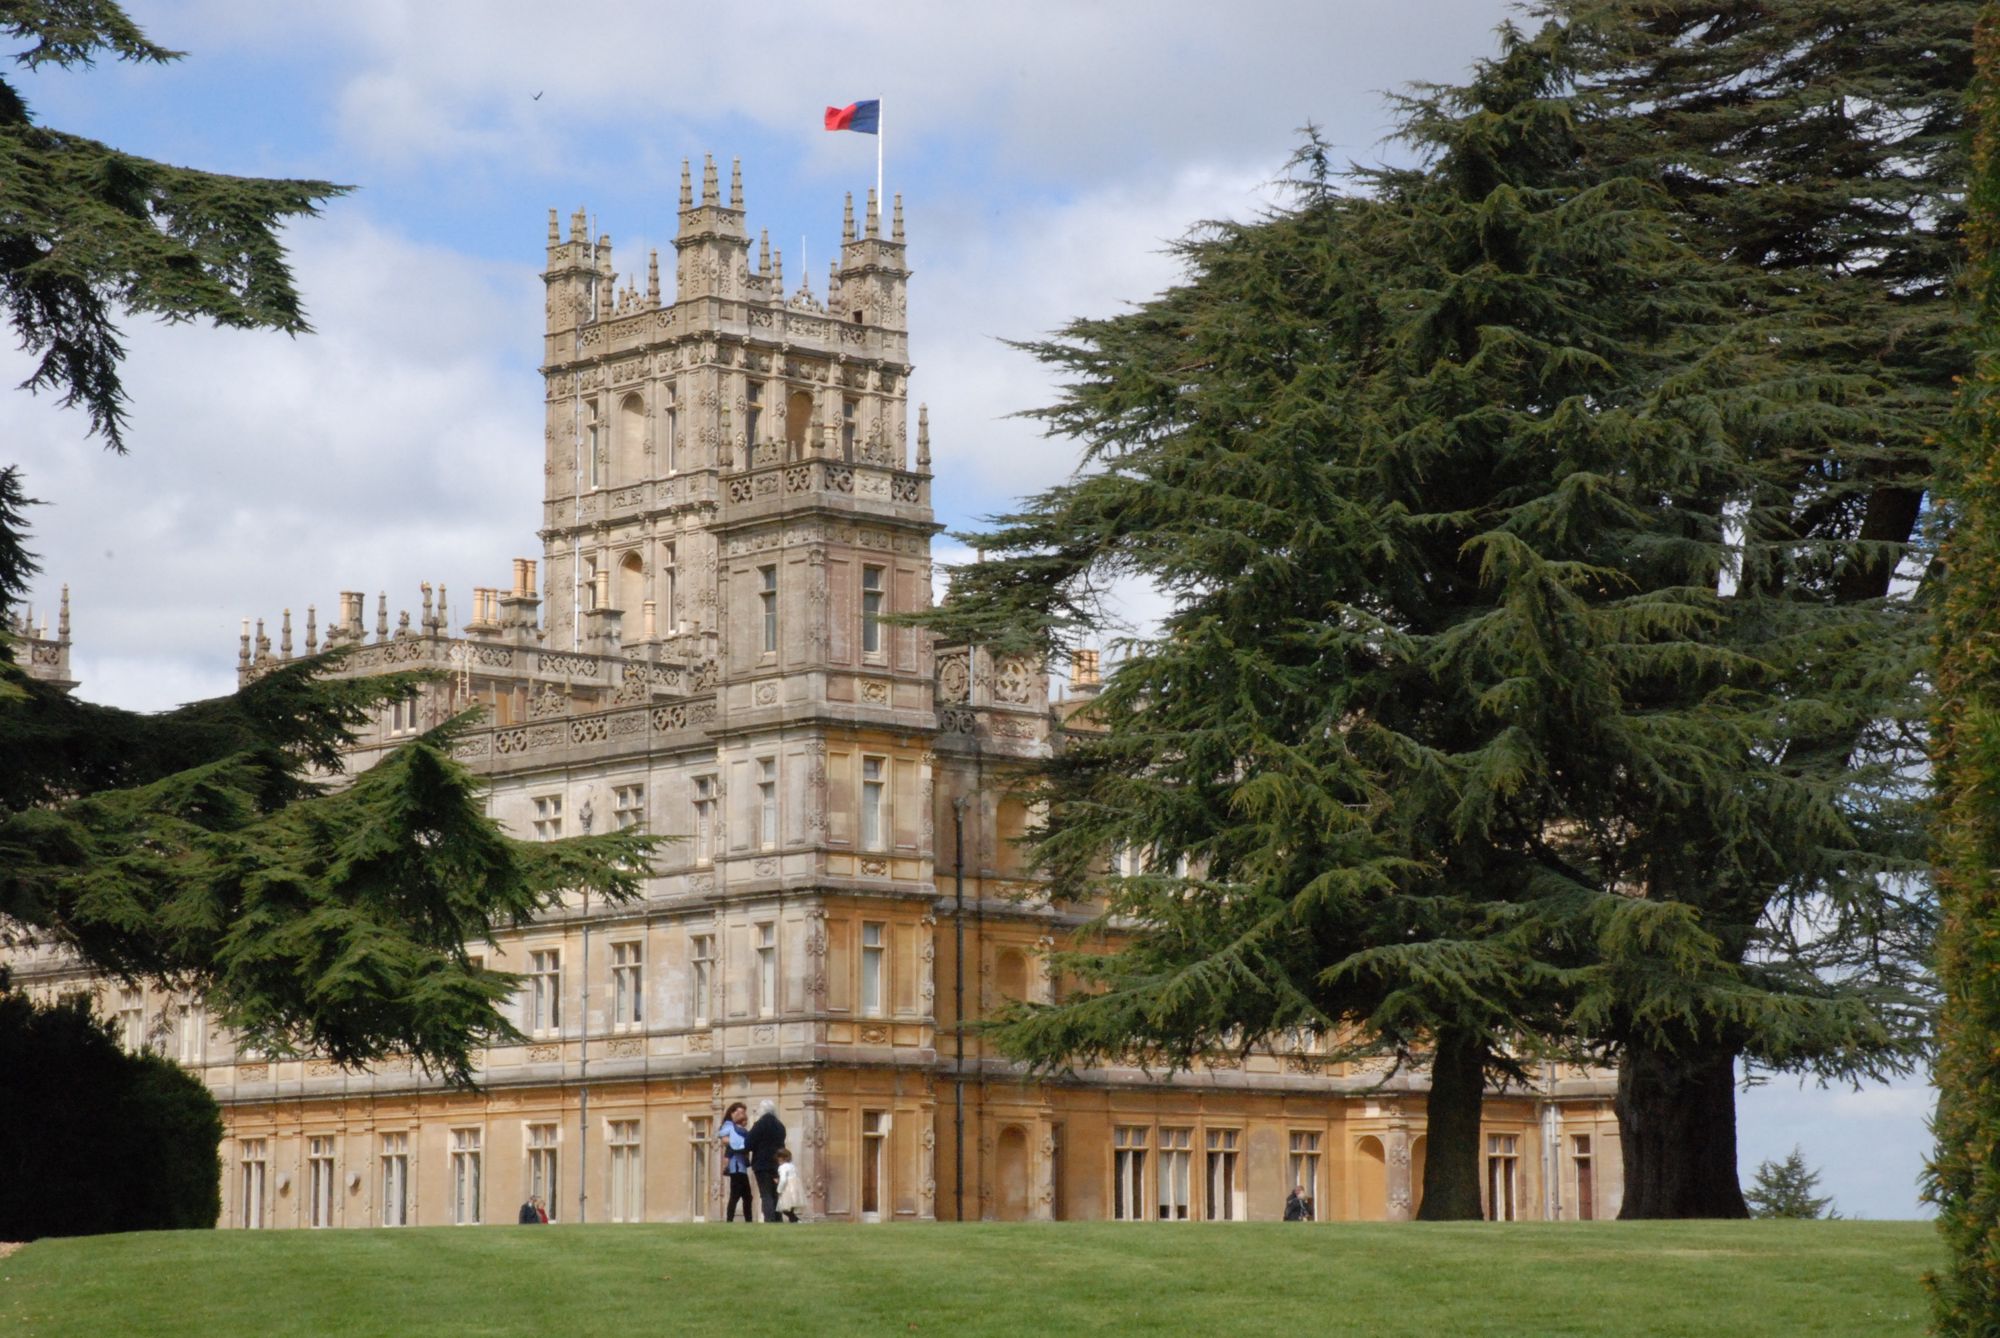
{"points": [[878, 166]]}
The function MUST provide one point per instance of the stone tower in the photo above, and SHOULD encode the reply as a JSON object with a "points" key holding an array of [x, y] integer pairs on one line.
{"points": [[731, 512]]}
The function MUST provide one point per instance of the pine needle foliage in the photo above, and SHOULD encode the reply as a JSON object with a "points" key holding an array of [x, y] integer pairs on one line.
{"points": [[201, 847], [1963, 1178], [1443, 470], [88, 232], [1785, 1189], [1817, 149]]}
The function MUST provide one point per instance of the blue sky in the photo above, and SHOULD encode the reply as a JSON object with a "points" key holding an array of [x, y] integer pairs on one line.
{"points": [[1047, 151]]}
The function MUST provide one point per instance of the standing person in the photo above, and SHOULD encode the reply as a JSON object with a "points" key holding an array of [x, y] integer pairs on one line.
{"points": [[528, 1216], [766, 1141], [735, 1164], [1298, 1208], [541, 1210], [788, 1186]]}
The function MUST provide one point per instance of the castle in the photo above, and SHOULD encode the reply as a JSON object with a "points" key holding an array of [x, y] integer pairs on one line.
{"points": [[732, 509]]}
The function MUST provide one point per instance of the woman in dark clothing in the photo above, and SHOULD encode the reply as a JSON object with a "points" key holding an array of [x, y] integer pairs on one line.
{"points": [[735, 1162]]}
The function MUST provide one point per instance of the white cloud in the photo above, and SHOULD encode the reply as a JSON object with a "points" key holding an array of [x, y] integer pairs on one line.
{"points": [[400, 443], [1869, 1146]]}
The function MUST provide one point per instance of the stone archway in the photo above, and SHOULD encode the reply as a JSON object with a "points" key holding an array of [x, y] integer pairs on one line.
{"points": [[1371, 1181], [1012, 1179]]}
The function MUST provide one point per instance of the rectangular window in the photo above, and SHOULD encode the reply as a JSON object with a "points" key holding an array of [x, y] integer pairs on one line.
{"points": [[543, 1166], [701, 980], [545, 990], [871, 610], [874, 1134], [628, 983], [628, 807], [319, 1182], [1221, 1204], [753, 416], [404, 716], [1174, 1158], [1128, 1173], [871, 969], [395, 1180], [193, 1033], [872, 826], [1502, 1176], [671, 426], [591, 469], [548, 817], [849, 416], [1586, 1179], [667, 593], [701, 1175], [624, 1171], [465, 1187], [767, 802], [704, 819], [767, 602], [767, 969], [1305, 1167], [132, 1019], [250, 1183]]}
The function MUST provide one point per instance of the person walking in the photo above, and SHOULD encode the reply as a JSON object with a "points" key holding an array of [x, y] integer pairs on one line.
{"points": [[766, 1141], [735, 1162], [789, 1194]]}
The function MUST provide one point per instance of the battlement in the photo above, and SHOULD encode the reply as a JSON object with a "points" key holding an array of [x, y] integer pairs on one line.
{"points": [[40, 655]]}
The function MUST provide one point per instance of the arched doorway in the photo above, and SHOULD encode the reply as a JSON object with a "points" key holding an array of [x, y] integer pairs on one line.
{"points": [[798, 423], [1011, 1167], [1371, 1181], [631, 593]]}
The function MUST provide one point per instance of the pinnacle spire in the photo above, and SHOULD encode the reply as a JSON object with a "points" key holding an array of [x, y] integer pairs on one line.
{"points": [[847, 219], [923, 436], [653, 278], [874, 215], [687, 186], [735, 183], [710, 192], [896, 220]]}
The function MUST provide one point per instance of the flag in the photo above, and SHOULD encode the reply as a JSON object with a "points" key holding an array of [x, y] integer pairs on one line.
{"points": [[865, 117]]}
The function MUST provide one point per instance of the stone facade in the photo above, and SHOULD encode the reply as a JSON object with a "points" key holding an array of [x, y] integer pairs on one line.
{"points": [[731, 503]]}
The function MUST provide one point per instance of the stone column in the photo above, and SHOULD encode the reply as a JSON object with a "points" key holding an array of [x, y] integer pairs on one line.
{"points": [[1399, 1189]]}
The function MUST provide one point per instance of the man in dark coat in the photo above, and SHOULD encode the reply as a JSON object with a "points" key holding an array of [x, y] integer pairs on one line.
{"points": [[766, 1136]]}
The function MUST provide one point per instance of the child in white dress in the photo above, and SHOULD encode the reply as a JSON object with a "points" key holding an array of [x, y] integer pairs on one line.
{"points": [[788, 1186]]}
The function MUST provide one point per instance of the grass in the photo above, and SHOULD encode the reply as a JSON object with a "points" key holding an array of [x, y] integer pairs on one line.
{"points": [[1455, 1281]]}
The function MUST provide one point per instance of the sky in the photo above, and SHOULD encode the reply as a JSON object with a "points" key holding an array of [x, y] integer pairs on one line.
{"points": [[1048, 153]]}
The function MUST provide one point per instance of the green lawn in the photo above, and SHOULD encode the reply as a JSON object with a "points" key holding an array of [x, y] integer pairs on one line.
{"points": [[1454, 1281]]}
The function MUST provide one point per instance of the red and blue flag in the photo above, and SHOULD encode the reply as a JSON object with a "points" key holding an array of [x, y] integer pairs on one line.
{"points": [[865, 117]]}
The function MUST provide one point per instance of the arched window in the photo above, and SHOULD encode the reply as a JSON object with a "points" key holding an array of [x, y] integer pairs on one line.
{"points": [[1011, 975], [631, 465]]}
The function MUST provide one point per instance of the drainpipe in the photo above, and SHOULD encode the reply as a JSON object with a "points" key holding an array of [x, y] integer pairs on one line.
{"points": [[958, 1006]]}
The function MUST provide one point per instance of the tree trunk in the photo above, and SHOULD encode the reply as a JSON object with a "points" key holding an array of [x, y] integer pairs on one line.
{"points": [[1451, 1135], [1677, 1128]]}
